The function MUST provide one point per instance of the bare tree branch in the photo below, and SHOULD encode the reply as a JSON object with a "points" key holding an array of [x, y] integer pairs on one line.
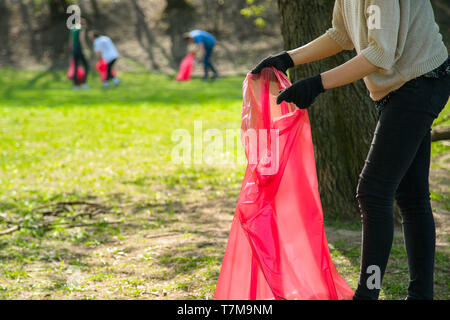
{"points": [[440, 133], [10, 230]]}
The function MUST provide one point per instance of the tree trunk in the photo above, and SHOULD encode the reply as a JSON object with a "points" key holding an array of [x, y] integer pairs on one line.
{"points": [[5, 48], [342, 119], [441, 13], [218, 21], [95, 7], [176, 11], [57, 9]]}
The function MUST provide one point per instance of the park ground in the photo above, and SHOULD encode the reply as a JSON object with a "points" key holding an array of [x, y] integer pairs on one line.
{"points": [[103, 211]]}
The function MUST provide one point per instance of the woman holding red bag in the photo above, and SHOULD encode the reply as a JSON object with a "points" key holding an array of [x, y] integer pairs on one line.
{"points": [[404, 64]]}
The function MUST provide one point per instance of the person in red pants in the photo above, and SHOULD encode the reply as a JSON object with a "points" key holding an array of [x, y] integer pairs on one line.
{"points": [[77, 35]]}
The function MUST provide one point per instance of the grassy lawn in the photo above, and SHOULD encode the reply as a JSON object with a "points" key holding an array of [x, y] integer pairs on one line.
{"points": [[147, 228]]}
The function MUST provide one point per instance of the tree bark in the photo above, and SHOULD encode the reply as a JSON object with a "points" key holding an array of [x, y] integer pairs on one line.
{"points": [[95, 7], [57, 9], [176, 11], [5, 48], [342, 119], [441, 13]]}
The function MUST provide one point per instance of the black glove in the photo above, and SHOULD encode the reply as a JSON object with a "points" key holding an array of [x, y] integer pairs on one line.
{"points": [[281, 61], [303, 92]]}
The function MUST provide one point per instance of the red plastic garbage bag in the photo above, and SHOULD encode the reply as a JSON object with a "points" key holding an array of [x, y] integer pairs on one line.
{"points": [[186, 66], [277, 248], [102, 68], [81, 74]]}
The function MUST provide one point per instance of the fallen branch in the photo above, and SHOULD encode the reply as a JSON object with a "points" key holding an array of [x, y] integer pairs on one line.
{"points": [[52, 210], [86, 224], [440, 133], [65, 225], [65, 205], [81, 207], [90, 214], [162, 235], [10, 230]]}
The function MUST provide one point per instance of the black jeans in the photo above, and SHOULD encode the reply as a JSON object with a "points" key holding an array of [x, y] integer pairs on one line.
{"points": [[207, 62], [397, 167], [78, 57], [110, 66]]}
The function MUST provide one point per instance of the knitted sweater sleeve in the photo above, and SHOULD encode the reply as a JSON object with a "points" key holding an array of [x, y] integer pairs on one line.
{"points": [[338, 31], [383, 22]]}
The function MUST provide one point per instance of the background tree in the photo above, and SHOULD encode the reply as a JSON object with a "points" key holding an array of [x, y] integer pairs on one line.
{"points": [[176, 11], [56, 41], [442, 14], [95, 8], [5, 51], [57, 9], [342, 119]]}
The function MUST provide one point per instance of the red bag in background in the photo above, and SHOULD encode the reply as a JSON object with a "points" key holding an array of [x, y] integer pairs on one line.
{"points": [[277, 248], [81, 74], [102, 68], [186, 66]]}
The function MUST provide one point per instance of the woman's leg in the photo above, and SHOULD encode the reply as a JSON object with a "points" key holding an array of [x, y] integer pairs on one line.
{"points": [[207, 62], [85, 65], [211, 66], [110, 66], [413, 198], [397, 138], [399, 154], [76, 59]]}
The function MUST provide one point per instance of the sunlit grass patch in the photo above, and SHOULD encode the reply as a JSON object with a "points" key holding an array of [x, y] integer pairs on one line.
{"points": [[113, 148]]}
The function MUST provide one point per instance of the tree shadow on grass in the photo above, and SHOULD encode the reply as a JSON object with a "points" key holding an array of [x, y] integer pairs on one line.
{"points": [[52, 75], [27, 246], [161, 91], [196, 231]]}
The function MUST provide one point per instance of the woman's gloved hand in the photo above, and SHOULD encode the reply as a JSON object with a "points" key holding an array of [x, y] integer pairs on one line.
{"points": [[281, 61], [303, 92]]}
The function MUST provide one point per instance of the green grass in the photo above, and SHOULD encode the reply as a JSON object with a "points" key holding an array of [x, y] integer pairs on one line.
{"points": [[395, 281], [443, 199], [441, 147], [60, 144], [114, 148]]}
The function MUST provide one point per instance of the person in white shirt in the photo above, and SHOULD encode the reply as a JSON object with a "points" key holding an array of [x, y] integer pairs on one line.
{"points": [[106, 50]]}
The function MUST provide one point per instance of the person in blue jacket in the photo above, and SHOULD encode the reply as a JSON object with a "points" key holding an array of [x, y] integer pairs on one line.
{"points": [[205, 41]]}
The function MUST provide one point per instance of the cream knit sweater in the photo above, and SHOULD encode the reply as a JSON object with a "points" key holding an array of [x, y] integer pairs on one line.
{"points": [[400, 37]]}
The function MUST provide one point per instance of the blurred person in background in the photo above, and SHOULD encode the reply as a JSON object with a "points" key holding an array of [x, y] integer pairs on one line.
{"points": [[205, 42], [106, 50], [78, 43]]}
